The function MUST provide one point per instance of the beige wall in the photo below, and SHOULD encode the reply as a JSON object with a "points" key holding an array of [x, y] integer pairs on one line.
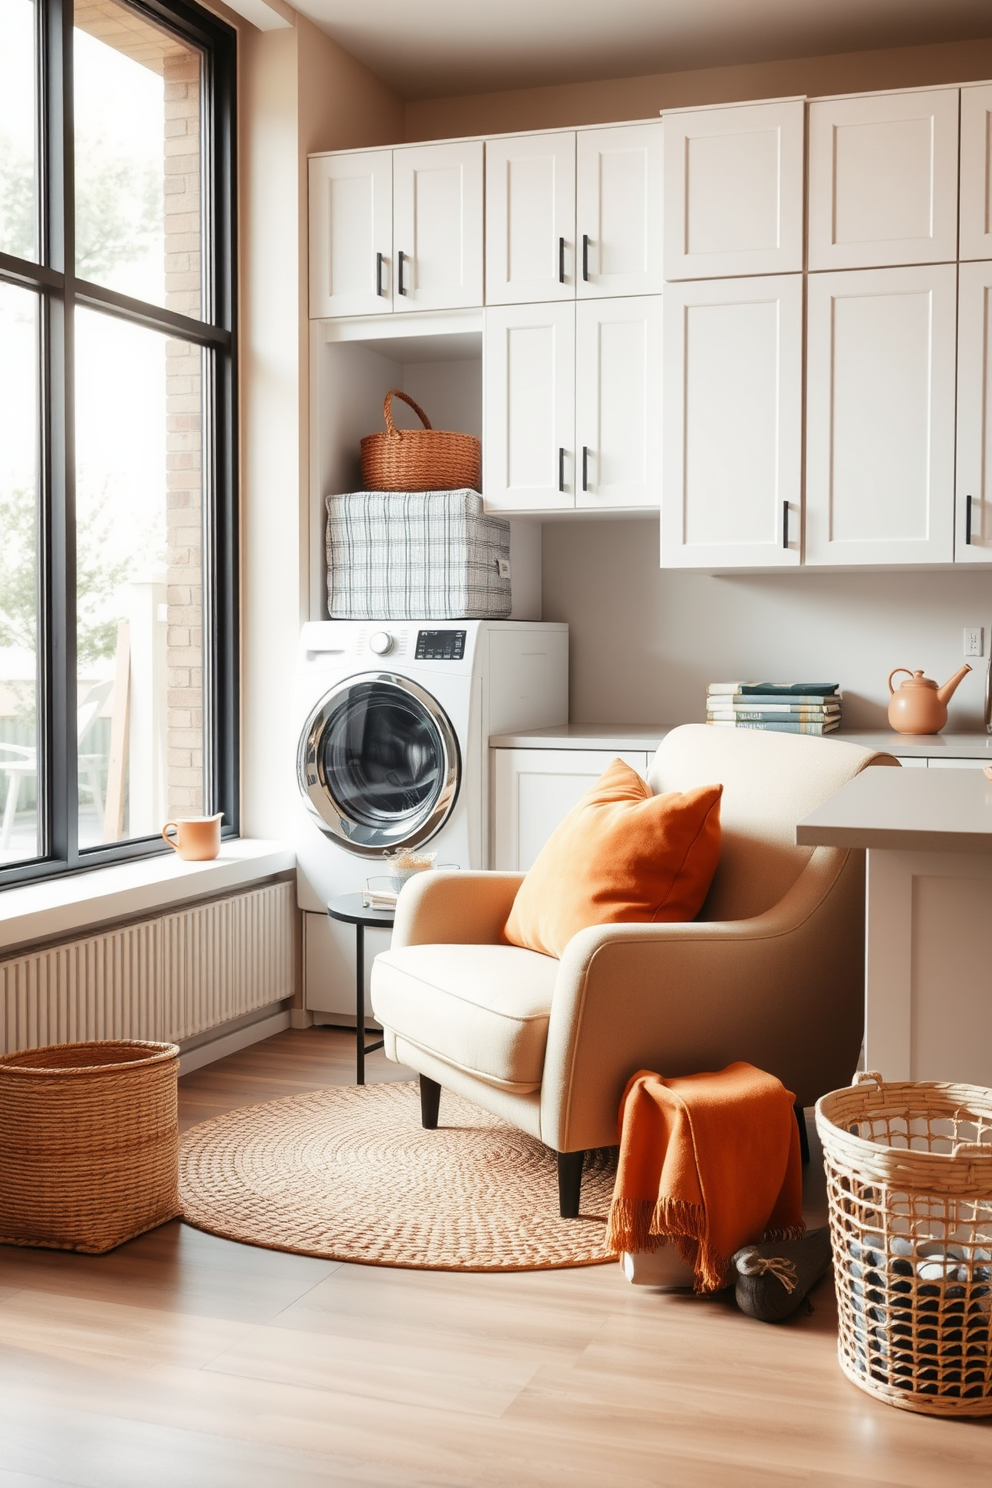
{"points": [[604, 102], [299, 92], [644, 643]]}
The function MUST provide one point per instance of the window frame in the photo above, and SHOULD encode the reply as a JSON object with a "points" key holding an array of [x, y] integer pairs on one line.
{"points": [[59, 293]]}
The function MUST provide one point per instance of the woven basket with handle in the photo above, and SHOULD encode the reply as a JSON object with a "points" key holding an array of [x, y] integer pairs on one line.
{"points": [[909, 1188], [89, 1143], [419, 459]]}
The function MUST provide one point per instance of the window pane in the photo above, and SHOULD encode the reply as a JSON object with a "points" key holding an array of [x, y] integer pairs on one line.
{"points": [[19, 444], [137, 101], [18, 172], [138, 578]]}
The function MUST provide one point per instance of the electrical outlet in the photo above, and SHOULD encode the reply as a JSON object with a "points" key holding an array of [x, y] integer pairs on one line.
{"points": [[974, 640]]}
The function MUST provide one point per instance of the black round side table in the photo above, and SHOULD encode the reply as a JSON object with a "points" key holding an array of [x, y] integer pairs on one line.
{"points": [[349, 909]]}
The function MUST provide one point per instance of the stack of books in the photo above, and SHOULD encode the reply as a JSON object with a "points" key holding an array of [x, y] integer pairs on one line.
{"points": [[782, 707]]}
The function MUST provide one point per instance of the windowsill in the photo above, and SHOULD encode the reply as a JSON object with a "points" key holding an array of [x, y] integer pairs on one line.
{"points": [[61, 906]]}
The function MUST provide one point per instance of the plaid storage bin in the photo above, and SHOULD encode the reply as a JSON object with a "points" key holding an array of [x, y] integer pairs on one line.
{"points": [[423, 555]]}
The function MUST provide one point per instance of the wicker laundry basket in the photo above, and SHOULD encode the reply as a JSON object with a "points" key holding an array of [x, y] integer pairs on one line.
{"points": [[909, 1187], [89, 1144], [419, 459]]}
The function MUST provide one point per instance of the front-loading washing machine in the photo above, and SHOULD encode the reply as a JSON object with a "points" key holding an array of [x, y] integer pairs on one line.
{"points": [[394, 721]]}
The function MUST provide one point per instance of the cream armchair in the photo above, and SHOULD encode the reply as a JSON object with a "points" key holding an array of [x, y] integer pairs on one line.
{"points": [[772, 971]]}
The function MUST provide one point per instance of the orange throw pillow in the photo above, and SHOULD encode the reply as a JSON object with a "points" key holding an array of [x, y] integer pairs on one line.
{"points": [[620, 855]]}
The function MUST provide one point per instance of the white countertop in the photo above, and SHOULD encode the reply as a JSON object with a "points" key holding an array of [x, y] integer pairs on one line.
{"points": [[909, 810], [649, 736], [585, 736]]}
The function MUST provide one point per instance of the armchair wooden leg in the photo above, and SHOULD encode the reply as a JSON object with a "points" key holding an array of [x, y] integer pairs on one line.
{"points": [[803, 1133], [430, 1100], [569, 1183]]}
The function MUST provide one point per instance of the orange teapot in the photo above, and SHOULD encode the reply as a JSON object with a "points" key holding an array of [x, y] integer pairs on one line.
{"points": [[919, 706]]}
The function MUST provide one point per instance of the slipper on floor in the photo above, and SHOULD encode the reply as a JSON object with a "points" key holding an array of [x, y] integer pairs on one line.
{"points": [[773, 1278]]}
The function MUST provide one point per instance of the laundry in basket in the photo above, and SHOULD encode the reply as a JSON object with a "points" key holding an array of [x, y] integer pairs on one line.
{"points": [[421, 555]]}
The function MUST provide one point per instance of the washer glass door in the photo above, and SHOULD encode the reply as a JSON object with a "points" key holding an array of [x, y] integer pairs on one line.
{"points": [[378, 764]]}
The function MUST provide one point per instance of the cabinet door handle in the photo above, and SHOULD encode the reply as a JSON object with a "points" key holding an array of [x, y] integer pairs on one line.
{"points": [[561, 467], [585, 467], [400, 261], [785, 525], [967, 520], [561, 260], [585, 255], [378, 273]]}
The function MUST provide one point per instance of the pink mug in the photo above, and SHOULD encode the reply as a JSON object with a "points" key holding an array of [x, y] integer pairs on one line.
{"points": [[197, 838]]}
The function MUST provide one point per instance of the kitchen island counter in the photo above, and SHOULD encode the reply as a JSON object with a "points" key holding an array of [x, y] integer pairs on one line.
{"points": [[928, 984]]}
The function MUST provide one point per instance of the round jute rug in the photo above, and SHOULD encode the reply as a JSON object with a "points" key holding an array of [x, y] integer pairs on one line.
{"points": [[349, 1174]]}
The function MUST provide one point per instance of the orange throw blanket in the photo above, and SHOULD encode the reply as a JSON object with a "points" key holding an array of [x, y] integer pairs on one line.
{"points": [[709, 1162]]}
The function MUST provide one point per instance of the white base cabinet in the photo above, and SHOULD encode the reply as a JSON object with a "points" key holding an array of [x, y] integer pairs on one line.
{"points": [[733, 423], [533, 789], [880, 416]]}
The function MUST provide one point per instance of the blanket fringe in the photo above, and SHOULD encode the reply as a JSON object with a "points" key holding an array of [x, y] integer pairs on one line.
{"points": [[642, 1225]]}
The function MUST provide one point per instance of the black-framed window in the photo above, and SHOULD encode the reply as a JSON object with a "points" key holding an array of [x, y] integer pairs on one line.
{"points": [[118, 540]]}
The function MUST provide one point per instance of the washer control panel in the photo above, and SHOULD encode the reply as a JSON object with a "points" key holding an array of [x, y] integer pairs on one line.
{"points": [[441, 645]]}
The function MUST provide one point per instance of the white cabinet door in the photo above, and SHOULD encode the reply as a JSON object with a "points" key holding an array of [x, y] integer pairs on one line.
{"points": [[530, 219], [732, 442], [734, 191], [973, 507], [976, 172], [880, 416], [529, 408], [437, 226], [883, 180], [351, 233], [533, 789], [618, 211], [617, 403]]}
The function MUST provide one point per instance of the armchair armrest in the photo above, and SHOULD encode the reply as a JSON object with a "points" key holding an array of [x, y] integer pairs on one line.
{"points": [[445, 908], [783, 990]]}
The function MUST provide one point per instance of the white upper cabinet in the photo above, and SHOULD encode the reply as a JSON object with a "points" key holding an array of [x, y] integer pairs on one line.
{"points": [[883, 180], [529, 399], [530, 219], [733, 423], [973, 508], [976, 172], [618, 211], [734, 191], [351, 233], [437, 226], [880, 416], [617, 403]]}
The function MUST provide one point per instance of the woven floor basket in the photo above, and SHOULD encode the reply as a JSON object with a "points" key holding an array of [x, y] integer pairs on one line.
{"points": [[89, 1144], [909, 1187], [419, 459]]}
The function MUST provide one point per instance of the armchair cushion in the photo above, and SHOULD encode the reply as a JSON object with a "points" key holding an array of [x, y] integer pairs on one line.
{"points": [[483, 1009], [620, 855]]}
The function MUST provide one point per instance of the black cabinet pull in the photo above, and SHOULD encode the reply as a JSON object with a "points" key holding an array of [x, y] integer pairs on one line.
{"points": [[967, 521], [585, 467], [378, 273], [561, 467], [400, 260], [561, 260], [585, 255], [785, 524]]}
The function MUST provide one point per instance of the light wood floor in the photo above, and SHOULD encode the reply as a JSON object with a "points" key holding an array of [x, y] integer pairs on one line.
{"points": [[184, 1361]]}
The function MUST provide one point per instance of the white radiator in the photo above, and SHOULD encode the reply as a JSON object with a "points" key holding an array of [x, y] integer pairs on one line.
{"points": [[165, 978]]}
